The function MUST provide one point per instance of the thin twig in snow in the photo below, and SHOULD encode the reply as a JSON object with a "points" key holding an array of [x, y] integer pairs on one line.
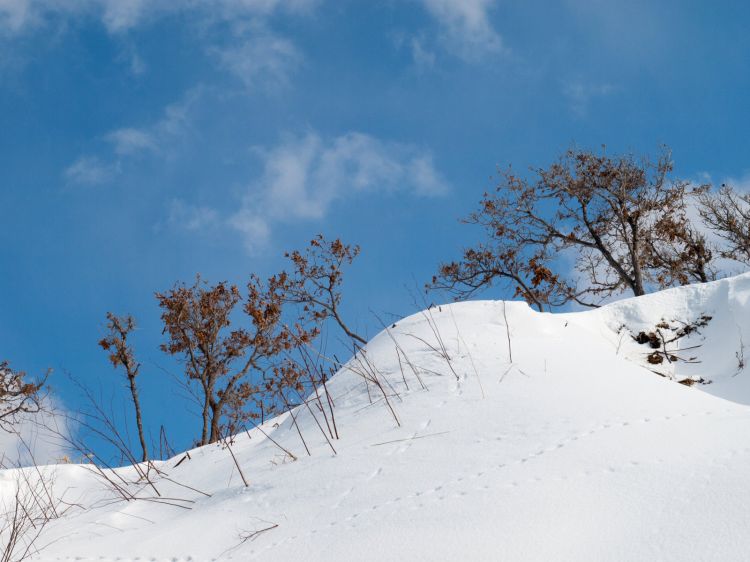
{"points": [[507, 331], [409, 438]]}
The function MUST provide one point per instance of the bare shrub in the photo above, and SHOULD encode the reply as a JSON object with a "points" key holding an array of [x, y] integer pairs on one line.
{"points": [[95, 423], [121, 355], [26, 514]]}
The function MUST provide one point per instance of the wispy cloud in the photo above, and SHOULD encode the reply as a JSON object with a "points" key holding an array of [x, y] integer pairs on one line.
{"points": [[122, 15], [581, 94], [423, 57], [132, 60], [128, 142], [182, 215], [90, 170], [14, 15], [465, 27], [630, 32], [304, 176], [253, 53], [40, 438], [259, 59]]}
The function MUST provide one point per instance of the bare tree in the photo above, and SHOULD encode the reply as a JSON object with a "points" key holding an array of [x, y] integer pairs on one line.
{"points": [[18, 395], [678, 253], [230, 364], [121, 355], [727, 214], [600, 211], [315, 282]]}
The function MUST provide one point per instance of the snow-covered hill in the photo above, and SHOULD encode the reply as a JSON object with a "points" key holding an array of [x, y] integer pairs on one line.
{"points": [[574, 450]]}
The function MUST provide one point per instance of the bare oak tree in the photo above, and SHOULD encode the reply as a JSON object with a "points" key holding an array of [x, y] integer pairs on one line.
{"points": [[229, 364], [121, 355], [316, 278], [603, 213]]}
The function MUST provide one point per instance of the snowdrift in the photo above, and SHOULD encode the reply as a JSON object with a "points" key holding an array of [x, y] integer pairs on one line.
{"points": [[473, 431]]}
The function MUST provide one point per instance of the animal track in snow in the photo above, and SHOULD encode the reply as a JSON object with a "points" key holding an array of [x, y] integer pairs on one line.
{"points": [[423, 498]]}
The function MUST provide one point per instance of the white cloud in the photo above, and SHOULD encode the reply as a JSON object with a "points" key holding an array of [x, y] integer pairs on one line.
{"points": [[122, 15], [130, 141], [260, 60], [14, 14], [157, 138], [427, 181], [254, 229], [422, 56], [40, 438], [90, 170], [137, 65], [303, 177], [130, 58], [191, 217], [18, 16], [580, 95], [465, 26], [235, 32]]}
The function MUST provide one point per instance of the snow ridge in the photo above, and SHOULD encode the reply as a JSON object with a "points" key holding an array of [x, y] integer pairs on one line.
{"points": [[448, 450]]}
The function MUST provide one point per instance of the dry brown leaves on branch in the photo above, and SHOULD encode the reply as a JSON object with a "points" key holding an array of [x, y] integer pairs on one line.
{"points": [[230, 360], [621, 222], [18, 395]]}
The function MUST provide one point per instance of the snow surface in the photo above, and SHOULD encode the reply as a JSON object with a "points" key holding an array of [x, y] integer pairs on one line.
{"points": [[574, 451]]}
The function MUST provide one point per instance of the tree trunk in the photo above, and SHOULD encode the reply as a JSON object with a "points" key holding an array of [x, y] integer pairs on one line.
{"points": [[215, 435], [138, 417], [638, 289], [206, 420]]}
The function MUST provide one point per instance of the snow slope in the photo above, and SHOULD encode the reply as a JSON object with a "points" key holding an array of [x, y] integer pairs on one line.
{"points": [[575, 450]]}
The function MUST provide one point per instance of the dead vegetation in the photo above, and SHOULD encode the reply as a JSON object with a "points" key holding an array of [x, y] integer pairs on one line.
{"points": [[32, 504], [19, 395], [31, 507], [623, 221], [121, 355], [662, 340]]}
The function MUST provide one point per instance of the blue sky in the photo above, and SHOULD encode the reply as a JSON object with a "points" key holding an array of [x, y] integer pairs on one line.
{"points": [[143, 142]]}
